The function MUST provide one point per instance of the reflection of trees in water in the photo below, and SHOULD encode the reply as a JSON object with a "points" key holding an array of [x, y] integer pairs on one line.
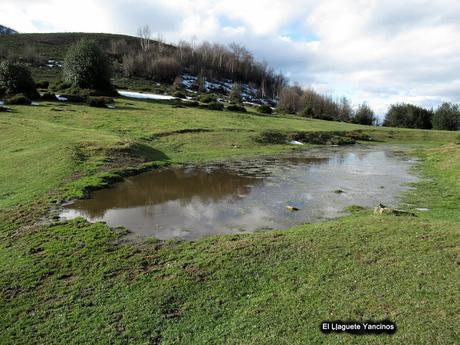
{"points": [[167, 185]]}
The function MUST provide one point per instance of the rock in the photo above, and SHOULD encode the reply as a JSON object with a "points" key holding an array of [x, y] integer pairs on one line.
{"points": [[292, 208], [338, 191], [382, 209]]}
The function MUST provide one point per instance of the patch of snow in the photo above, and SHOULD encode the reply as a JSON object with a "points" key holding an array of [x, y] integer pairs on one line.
{"points": [[61, 98], [139, 95], [295, 142], [422, 209]]}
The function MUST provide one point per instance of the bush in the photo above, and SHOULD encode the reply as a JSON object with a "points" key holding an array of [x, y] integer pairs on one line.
{"points": [[236, 107], [19, 99], [43, 84], [408, 116], [48, 96], [272, 137], [208, 98], [192, 104], [265, 109], [99, 102], [179, 94], [215, 106], [308, 112], [86, 66], [235, 94], [447, 117], [16, 79], [364, 116]]}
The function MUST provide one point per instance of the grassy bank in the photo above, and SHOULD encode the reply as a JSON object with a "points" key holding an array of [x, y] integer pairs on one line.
{"points": [[83, 283]]}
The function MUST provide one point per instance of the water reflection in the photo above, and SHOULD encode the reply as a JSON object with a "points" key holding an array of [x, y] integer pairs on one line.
{"points": [[192, 202]]}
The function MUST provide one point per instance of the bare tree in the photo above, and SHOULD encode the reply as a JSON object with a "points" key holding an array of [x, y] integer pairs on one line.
{"points": [[145, 36]]}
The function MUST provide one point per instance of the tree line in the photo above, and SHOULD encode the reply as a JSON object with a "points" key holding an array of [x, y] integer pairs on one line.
{"points": [[154, 59], [446, 116], [309, 103]]}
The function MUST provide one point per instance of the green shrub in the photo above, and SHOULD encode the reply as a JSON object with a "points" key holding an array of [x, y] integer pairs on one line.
{"points": [[15, 79], [87, 67], [215, 106], [235, 94], [447, 117], [272, 137], [307, 112], [265, 109], [179, 94], [236, 107], [208, 98], [192, 104], [19, 99], [364, 116], [99, 102], [48, 96]]}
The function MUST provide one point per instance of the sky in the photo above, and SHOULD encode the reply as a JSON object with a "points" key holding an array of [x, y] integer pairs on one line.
{"points": [[375, 51]]}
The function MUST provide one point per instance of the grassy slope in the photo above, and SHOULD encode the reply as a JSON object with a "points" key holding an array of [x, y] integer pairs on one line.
{"points": [[80, 282], [54, 46]]}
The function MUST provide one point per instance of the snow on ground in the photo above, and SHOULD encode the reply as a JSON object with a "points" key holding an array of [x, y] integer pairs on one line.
{"points": [[295, 142], [142, 95]]}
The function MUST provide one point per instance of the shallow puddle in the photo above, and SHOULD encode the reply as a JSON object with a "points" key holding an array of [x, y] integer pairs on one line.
{"points": [[195, 201]]}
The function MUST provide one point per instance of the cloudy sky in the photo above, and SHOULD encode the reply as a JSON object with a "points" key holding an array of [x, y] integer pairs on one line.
{"points": [[378, 51]]}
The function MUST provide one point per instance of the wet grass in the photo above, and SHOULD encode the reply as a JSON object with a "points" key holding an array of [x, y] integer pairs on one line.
{"points": [[83, 283]]}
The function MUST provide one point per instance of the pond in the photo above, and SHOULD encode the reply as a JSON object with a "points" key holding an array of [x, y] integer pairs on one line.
{"points": [[190, 202]]}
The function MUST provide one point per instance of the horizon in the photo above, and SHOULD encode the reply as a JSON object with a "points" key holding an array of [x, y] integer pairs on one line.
{"points": [[376, 52]]}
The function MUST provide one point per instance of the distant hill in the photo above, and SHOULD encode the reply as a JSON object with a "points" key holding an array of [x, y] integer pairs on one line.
{"points": [[55, 45], [6, 31]]}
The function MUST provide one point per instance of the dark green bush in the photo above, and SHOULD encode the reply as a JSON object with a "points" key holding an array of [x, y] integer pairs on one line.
{"points": [[307, 112], [48, 96], [364, 116], [99, 102], [272, 137], [179, 94], [236, 107], [408, 116], [447, 117], [19, 99], [15, 79], [192, 104], [208, 98], [215, 106], [87, 67], [265, 109]]}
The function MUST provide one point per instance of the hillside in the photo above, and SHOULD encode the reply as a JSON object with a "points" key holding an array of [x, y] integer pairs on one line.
{"points": [[54, 45], [6, 31], [144, 63]]}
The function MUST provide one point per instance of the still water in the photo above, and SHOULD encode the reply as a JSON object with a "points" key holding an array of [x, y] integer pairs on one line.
{"points": [[195, 201]]}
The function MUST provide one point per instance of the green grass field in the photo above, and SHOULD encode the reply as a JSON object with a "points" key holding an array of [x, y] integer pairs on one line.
{"points": [[82, 283]]}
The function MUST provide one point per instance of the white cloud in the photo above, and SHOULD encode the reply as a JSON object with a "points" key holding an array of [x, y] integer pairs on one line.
{"points": [[380, 51]]}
